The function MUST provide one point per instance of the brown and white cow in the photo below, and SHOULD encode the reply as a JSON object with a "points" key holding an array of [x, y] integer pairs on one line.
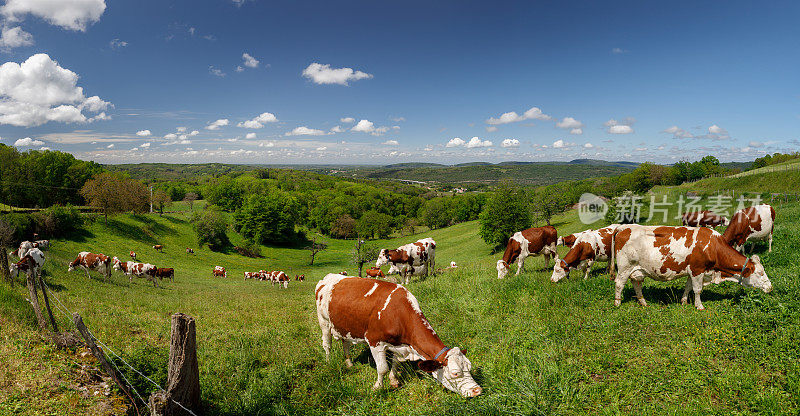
{"points": [[300, 277], [569, 240], [374, 272], [189, 251], [666, 253], [159, 248], [703, 219], [751, 223], [165, 273], [133, 256], [90, 261], [278, 277], [24, 247], [33, 260], [539, 241], [143, 271], [219, 271], [591, 246], [387, 317], [251, 275], [42, 244], [412, 259]]}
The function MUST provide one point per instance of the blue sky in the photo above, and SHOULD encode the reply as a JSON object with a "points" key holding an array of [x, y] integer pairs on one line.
{"points": [[444, 82]]}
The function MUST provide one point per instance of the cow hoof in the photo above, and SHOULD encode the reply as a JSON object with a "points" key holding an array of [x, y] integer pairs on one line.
{"points": [[701, 308], [348, 363], [617, 302], [642, 302], [394, 383], [684, 302]]}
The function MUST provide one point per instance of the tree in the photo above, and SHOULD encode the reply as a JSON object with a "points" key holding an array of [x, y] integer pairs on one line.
{"points": [[362, 253], [505, 212], [551, 200], [436, 213], [190, 197], [315, 248], [104, 191], [6, 241], [161, 199], [344, 227], [268, 218], [211, 229], [374, 223]]}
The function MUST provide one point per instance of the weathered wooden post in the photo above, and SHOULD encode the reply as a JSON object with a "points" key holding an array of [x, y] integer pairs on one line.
{"points": [[34, 297], [183, 375], [98, 353], [47, 303], [4, 265]]}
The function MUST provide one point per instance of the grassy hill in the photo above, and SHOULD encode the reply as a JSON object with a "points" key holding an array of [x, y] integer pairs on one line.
{"points": [[537, 347]]}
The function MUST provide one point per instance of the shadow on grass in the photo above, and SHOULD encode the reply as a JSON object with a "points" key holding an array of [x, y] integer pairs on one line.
{"points": [[672, 295]]}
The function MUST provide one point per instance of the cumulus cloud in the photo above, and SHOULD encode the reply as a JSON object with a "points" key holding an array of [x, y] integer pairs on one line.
{"points": [[347, 120], [588, 145], [322, 148], [194, 133], [39, 90], [216, 71], [171, 136], [558, 144], [491, 129], [620, 127], [249, 61], [14, 37], [337, 129], [716, 132], [117, 44], [510, 143], [324, 74], [477, 142], [143, 133], [534, 113], [28, 142], [145, 145], [250, 136], [111, 146], [678, 133], [68, 14], [217, 124], [576, 131], [455, 142], [569, 123], [364, 126], [305, 131], [391, 143], [259, 121]]}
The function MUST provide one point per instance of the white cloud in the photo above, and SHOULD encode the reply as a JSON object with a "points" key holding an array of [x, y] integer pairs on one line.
{"points": [[558, 144], [618, 51], [117, 44], [576, 131], [305, 131], [180, 129], [477, 142], [391, 143], [259, 121], [239, 68], [347, 120], [39, 90], [250, 136], [216, 71], [28, 142], [266, 144], [171, 136], [491, 129], [322, 148], [569, 123], [14, 37], [756, 144], [194, 133], [510, 143], [455, 142], [324, 74], [512, 117], [398, 119], [143, 133], [111, 146], [678, 133], [364, 126], [217, 124], [249, 61], [68, 14], [43, 148], [620, 127], [337, 129], [145, 144], [588, 145]]}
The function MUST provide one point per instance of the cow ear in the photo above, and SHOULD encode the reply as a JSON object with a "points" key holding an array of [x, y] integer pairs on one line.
{"points": [[755, 258], [429, 366]]}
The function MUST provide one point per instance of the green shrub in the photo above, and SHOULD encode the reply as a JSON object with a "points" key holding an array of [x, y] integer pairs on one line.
{"points": [[268, 218], [211, 228], [57, 220], [506, 212]]}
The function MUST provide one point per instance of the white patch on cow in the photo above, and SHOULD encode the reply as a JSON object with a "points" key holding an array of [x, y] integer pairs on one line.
{"points": [[415, 305], [388, 299], [371, 291]]}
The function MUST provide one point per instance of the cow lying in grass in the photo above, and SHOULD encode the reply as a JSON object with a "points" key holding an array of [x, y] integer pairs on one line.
{"points": [[387, 317], [666, 253]]}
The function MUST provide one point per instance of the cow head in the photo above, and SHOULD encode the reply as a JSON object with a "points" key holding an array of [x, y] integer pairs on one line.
{"points": [[560, 271], [14, 269], [383, 258], [502, 269], [455, 374], [725, 222], [116, 263], [753, 275]]}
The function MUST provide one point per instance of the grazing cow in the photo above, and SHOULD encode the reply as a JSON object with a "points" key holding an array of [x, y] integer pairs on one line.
{"points": [[133, 256], [343, 272], [666, 253], [122, 266], [539, 241], [24, 247], [90, 261], [300, 277], [703, 219], [453, 265], [34, 257], [262, 275], [159, 248], [408, 260], [251, 275], [219, 271], [387, 317], [751, 223], [42, 244], [430, 247], [165, 273], [591, 246], [282, 279], [374, 272], [569, 240], [189, 251], [143, 270]]}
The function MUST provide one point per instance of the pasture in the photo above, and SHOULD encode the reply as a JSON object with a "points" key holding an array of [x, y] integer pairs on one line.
{"points": [[538, 347]]}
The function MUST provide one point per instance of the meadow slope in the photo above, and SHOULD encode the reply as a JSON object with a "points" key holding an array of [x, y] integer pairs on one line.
{"points": [[538, 347]]}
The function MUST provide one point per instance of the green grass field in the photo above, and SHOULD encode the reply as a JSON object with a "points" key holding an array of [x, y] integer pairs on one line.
{"points": [[538, 347]]}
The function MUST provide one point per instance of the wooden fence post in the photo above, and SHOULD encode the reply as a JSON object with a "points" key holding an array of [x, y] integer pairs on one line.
{"points": [[34, 298], [98, 353], [4, 266], [47, 304], [183, 375]]}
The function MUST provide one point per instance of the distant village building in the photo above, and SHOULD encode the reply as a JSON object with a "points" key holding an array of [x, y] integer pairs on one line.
{"points": [[459, 190]]}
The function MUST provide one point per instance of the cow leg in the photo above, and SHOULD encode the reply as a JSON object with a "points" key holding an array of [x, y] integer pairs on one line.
{"points": [[346, 348], [393, 381], [686, 290], [637, 287], [697, 287], [520, 264], [619, 285], [379, 354], [588, 269], [326, 338], [770, 243], [87, 273]]}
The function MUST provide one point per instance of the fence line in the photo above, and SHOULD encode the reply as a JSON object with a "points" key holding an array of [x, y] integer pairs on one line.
{"points": [[67, 313]]}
